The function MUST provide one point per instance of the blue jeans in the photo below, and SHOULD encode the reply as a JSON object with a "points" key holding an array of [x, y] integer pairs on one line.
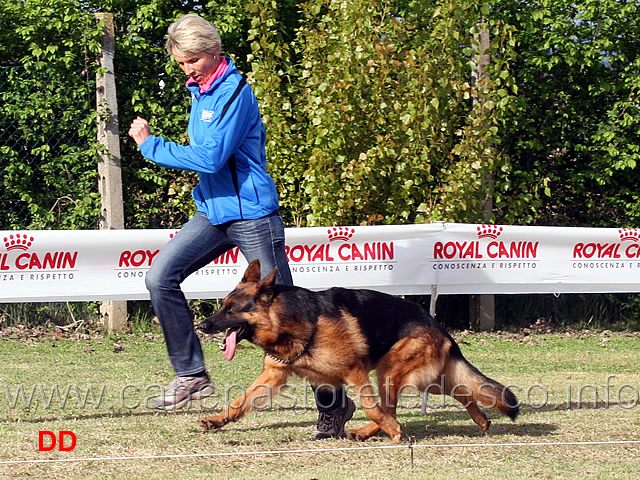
{"points": [[197, 244]]}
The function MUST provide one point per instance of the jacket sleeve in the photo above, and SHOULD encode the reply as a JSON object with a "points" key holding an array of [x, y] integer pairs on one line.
{"points": [[218, 141]]}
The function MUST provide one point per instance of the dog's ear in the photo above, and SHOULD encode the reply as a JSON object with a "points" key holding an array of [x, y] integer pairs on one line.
{"points": [[267, 286], [252, 273]]}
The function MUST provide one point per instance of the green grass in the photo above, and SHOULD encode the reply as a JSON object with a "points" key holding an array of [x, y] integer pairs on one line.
{"points": [[561, 378]]}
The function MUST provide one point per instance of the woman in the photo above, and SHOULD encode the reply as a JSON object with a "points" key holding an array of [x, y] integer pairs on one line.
{"points": [[236, 201]]}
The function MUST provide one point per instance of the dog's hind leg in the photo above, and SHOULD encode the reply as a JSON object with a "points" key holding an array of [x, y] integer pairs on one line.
{"points": [[462, 390], [381, 418], [465, 397], [478, 416], [388, 392]]}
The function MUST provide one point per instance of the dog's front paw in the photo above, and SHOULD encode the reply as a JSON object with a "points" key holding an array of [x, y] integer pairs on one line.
{"points": [[356, 435], [211, 423]]}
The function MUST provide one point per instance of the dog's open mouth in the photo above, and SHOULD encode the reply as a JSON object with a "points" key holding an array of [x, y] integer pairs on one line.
{"points": [[230, 343]]}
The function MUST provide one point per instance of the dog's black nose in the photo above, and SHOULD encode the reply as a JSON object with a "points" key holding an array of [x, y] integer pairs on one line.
{"points": [[204, 326]]}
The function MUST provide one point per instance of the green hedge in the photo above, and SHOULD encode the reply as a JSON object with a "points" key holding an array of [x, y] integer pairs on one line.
{"points": [[371, 111]]}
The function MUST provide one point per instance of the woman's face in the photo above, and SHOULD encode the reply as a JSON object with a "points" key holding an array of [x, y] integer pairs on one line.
{"points": [[199, 66]]}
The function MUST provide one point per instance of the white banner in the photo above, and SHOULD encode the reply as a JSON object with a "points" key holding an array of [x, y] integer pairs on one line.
{"points": [[87, 265]]}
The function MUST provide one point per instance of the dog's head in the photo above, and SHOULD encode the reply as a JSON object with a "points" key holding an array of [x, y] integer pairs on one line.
{"points": [[244, 310]]}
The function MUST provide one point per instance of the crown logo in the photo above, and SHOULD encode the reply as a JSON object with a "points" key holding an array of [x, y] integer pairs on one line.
{"points": [[631, 234], [489, 231], [17, 242], [340, 233]]}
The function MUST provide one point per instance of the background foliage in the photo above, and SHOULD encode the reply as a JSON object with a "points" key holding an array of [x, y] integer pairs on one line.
{"points": [[572, 137], [47, 117], [372, 110]]}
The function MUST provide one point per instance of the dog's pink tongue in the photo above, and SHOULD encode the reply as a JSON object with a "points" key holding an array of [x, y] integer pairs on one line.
{"points": [[230, 344]]}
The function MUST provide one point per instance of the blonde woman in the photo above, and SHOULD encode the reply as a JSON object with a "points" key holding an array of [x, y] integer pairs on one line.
{"points": [[237, 206]]}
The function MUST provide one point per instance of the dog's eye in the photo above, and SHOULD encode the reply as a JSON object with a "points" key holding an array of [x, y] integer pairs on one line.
{"points": [[232, 308]]}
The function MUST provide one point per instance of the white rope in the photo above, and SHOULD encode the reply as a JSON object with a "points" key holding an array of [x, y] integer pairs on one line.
{"points": [[324, 450]]}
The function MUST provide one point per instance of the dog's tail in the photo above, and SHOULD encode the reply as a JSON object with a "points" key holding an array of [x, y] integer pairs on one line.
{"points": [[472, 388]]}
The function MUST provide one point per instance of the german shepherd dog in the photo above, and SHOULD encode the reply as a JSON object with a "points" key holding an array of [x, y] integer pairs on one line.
{"points": [[336, 337]]}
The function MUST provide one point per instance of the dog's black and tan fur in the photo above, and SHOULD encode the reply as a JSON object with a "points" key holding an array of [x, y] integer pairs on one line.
{"points": [[337, 336]]}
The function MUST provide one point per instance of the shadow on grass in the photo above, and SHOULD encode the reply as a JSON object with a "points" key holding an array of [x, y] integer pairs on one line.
{"points": [[459, 423], [421, 427], [435, 424], [583, 405], [434, 415], [98, 416]]}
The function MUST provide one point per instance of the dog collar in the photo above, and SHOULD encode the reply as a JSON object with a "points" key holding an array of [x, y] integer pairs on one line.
{"points": [[291, 360]]}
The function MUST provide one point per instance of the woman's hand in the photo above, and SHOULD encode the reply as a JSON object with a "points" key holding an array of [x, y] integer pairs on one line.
{"points": [[139, 130]]}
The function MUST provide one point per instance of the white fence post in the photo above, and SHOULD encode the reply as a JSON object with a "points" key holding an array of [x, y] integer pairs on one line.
{"points": [[482, 307], [114, 313]]}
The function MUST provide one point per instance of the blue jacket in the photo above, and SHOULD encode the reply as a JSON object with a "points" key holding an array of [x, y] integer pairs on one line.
{"points": [[240, 133]]}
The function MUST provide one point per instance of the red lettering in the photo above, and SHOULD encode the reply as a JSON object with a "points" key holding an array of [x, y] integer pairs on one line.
{"points": [[370, 251], [41, 436], [319, 255], [633, 251], [329, 257], [127, 258], [610, 251], [59, 440], [532, 250], [343, 256], [232, 255], [599, 250], [65, 433], [382, 251], [70, 259], [3, 262], [584, 251], [138, 258], [124, 259], [589, 250], [437, 250], [356, 253], [50, 260], [345, 252], [35, 263], [471, 251], [309, 250], [449, 250], [516, 249], [151, 255], [296, 254], [19, 264]]}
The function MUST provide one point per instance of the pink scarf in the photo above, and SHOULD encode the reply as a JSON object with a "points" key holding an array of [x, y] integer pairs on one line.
{"points": [[220, 71]]}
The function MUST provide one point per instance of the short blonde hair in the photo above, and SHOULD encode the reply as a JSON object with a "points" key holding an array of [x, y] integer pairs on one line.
{"points": [[192, 34]]}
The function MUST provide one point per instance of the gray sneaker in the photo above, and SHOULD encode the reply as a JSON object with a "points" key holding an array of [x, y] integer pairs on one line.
{"points": [[181, 391], [331, 423]]}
